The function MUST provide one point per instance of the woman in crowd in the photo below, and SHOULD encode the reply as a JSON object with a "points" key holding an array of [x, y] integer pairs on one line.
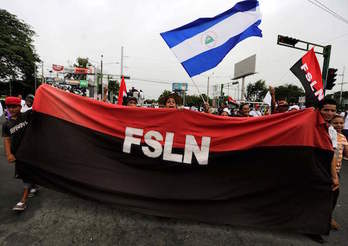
{"points": [[172, 101], [342, 150], [244, 110], [225, 112]]}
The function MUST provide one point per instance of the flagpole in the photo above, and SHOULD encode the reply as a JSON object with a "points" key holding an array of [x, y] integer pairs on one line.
{"points": [[198, 90]]}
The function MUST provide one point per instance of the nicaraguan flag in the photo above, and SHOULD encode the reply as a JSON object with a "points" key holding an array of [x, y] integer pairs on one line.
{"points": [[203, 43]]}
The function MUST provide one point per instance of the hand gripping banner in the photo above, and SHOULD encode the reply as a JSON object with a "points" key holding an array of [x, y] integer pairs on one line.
{"points": [[271, 172]]}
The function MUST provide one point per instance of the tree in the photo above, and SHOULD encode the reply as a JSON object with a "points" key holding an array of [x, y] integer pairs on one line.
{"points": [[337, 96], [193, 100], [113, 88], [196, 100], [82, 62], [291, 93], [256, 91], [17, 53]]}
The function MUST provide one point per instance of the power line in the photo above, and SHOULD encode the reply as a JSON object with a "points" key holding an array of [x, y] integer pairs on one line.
{"points": [[157, 81], [333, 12], [328, 10]]}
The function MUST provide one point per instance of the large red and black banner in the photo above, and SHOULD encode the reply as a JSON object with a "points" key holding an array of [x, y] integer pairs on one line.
{"points": [[271, 171], [307, 70]]}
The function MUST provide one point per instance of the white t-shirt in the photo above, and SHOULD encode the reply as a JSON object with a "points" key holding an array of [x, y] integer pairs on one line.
{"points": [[333, 136], [345, 120], [1, 110], [255, 113], [25, 108]]}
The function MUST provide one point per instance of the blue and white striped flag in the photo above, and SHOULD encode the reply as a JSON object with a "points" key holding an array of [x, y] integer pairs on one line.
{"points": [[203, 43]]}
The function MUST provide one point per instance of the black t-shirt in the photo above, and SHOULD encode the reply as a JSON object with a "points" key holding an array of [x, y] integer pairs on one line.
{"points": [[15, 129]]}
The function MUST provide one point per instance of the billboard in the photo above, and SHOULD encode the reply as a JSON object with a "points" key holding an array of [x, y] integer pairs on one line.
{"points": [[57, 68], [179, 86], [245, 67]]}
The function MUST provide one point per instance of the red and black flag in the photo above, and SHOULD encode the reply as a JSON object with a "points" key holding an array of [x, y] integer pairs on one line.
{"points": [[271, 171], [307, 70], [122, 92]]}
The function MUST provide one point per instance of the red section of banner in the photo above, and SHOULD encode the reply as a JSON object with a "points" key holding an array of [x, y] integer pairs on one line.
{"points": [[310, 66], [297, 128]]}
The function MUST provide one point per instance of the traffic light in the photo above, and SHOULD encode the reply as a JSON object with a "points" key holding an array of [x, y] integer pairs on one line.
{"points": [[331, 78], [287, 40]]}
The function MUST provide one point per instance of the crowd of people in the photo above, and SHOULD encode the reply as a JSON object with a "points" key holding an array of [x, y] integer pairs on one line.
{"points": [[18, 114]]}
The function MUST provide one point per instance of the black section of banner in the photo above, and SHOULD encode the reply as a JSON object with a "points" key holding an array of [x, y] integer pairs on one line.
{"points": [[276, 187], [311, 100]]}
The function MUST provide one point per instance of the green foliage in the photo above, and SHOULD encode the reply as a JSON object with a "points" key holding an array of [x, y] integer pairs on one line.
{"points": [[190, 100], [336, 96], [17, 53], [291, 93], [195, 100], [113, 87], [82, 62], [256, 91]]}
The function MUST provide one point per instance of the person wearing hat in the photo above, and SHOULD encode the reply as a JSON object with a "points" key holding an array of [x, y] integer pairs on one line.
{"points": [[12, 132], [29, 100], [225, 112]]}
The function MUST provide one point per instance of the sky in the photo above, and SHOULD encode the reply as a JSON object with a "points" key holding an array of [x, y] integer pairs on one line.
{"points": [[67, 29]]}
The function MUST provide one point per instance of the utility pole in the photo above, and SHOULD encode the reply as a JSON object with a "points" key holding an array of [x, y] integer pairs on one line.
{"points": [[344, 68], [243, 89], [121, 61], [101, 75], [238, 93], [228, 89]]}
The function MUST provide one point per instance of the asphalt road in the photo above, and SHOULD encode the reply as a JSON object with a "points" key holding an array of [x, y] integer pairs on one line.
{"points": [[54, 218]]}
